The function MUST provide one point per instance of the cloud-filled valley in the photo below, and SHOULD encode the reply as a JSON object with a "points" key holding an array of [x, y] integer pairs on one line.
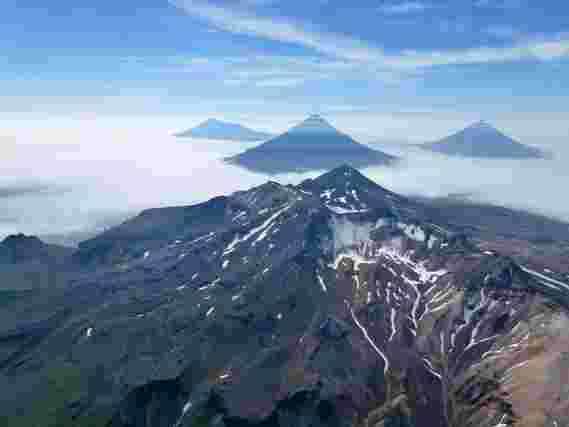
{"points": [[59, 181]]}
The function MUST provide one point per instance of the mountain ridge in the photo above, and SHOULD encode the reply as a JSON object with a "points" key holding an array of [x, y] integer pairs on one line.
{"points": [[331, 303], [21, 248]]}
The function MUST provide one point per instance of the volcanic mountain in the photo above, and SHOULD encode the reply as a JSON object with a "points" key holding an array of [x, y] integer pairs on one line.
{"points": [[215, 129], [484, 141], [311, 145], [335, 302]]}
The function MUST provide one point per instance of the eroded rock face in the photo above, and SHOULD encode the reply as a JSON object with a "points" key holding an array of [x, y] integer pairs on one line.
{"points": [[334, 303], [396, 323]]}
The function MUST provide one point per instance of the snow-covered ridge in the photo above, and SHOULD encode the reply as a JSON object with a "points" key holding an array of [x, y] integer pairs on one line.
{"points": [[341, 202], [342, 211]]}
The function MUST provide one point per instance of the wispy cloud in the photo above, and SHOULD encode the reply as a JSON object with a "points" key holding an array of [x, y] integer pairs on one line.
{"points": [[356, 51], [499, 4], [502, 32], [239, 21], [403, 8], [272, 71]]}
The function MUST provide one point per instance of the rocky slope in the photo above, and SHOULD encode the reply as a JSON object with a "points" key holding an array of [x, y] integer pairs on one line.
{"points": [[331, 303]]}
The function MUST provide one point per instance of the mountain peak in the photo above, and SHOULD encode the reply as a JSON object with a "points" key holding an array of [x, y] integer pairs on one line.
{"points": [[345, 190], [216, 129], [21, 239], [483, 140], [345, 170], [313, 144], [481, 125], [314, 124], [345, 175]]}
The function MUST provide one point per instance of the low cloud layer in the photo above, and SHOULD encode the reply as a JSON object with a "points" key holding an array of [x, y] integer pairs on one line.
{"points": [[64, 180], [534, 185]]}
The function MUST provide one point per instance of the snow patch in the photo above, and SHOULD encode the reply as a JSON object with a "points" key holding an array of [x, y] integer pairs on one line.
{"points": [[263, 229], [205, 236], [369, 340], [393, 329], [432, 241], [322, 284], [240, 215], [342, 211], [327, 193], [414, 232], [210, 285]]}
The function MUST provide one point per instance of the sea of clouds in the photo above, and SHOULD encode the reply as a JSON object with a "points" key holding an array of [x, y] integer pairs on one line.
{"points": [[88, 175]]}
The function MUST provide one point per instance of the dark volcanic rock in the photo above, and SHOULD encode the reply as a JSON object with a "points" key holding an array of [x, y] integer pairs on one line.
{"points": [[155, 404], [333, 328], [332, 303]]}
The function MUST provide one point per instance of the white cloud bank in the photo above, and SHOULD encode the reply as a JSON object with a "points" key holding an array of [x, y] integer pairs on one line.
{"points": [[109, 169]]}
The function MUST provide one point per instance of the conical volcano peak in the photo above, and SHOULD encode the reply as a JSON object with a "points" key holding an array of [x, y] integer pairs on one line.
{"points": [[216, 129], [345, 176], [314, 124], [482, 125], [483, 140], [345, 190], [313, 144], [345, 171]]}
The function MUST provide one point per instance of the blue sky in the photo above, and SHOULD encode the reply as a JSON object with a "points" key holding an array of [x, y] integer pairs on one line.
{"points": [[487, 58]]}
